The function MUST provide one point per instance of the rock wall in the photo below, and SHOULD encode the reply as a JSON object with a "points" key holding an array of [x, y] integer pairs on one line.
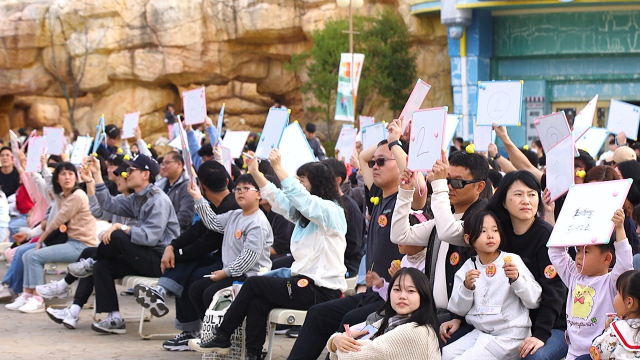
{"points": [[139, 55]]}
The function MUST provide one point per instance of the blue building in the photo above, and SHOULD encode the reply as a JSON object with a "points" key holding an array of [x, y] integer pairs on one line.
{"points": [[565, 51]]}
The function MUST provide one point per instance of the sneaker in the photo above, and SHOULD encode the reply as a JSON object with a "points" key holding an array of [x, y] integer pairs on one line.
{"points": [[63, 316], [50, 291], [110, 326], [32, 306], [180, 342], [19, 302], [216, 343], [293, 332], [149, 298], [5, 292], [81, 269]]}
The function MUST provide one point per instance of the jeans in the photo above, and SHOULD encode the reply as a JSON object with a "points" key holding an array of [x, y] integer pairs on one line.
{"points": [[34, 260], [636, 262], [15, 224], [555, 348], [15, 273]]}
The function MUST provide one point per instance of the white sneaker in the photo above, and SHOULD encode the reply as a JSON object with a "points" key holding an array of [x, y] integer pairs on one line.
{"points": [[50, 291], [5, 292], [19, 302], [64, 317], [32, 306]]}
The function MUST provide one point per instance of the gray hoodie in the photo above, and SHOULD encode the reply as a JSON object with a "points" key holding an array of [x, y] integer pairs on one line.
{"points": [[182, 202]]}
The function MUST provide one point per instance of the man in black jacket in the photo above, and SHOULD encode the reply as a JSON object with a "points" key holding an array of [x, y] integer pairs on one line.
{"points": [[189, 257]]}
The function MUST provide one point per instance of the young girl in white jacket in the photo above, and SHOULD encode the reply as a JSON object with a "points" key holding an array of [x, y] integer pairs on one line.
{"points": [[494, 292]]}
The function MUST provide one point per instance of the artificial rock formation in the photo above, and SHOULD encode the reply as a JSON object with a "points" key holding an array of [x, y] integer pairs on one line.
{"points": [[138, 55]]}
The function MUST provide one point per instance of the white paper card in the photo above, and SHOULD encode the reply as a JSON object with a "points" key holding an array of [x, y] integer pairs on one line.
{"points": [[195, 106], [584, 120], [277, 121], [54, 140], [452, 125], [592, 141], [499, 102], [366, 121], [372, 135], [625, 118], [129, 123], [560, 170], [226, 158], [347, 143], [295, 149], [552, 129], [36, 149], [427, 138], [414, 102], [80, 149], [586, 214], [483, 135], [235, 141]]}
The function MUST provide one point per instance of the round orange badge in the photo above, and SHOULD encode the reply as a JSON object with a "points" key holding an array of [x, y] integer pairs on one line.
{"points": [[550, 272], [454, 259], [62, 228], [594, 352], [238, 234], [382, 220], [491, 270], [303, 283]]}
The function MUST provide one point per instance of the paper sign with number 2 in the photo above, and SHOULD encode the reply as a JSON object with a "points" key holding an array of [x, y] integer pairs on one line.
{"points": [[427, 138]]}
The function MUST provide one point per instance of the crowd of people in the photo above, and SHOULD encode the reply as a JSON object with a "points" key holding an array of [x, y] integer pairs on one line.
{"points": [[450, 264]]}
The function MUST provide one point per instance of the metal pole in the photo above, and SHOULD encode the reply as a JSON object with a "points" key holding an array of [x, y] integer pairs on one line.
{"points": [[353, 95]]}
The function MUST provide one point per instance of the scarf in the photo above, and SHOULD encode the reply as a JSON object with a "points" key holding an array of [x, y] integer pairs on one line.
{"points": [[396, 321], [418, 258]]}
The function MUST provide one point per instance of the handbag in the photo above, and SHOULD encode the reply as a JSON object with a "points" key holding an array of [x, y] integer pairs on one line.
{"points": [[56, 237]]}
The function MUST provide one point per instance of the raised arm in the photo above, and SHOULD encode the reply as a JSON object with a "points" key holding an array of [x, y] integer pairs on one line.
{"points": [[517, 158], [505, 165], [401, 230], [367, 173], [395, 130]]}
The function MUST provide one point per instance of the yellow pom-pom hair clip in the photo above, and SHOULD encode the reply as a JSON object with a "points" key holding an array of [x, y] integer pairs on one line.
{"points": [[95, 154], [124, 174], [470, 149], [148, 146], [526, 147], [119, 151], [581, 173], [126, 157], [375, 200]]}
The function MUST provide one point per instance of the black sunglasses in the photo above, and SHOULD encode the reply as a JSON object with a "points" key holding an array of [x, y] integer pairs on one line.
{"points": [[460, 184], [380, 162]]}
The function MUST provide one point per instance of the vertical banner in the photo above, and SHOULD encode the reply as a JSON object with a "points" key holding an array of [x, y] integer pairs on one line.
{"points": [[348, 80]]}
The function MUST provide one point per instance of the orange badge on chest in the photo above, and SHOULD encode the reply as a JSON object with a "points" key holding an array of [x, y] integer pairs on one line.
{"points": [[594, 352], [550, 272], [238, 234], [303, 283], [63, 228], [454, 259], [491, 270], [382, 220]]}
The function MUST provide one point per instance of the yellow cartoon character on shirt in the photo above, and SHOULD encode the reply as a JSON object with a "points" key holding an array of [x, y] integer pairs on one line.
{"points": [[582, 301]]}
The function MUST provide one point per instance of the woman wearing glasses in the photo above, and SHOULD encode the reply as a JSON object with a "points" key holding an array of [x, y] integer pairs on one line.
{"points": [[317, 245]]}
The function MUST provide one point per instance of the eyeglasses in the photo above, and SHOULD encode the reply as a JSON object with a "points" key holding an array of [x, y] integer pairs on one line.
{"points": [[242, 190], [460, 184], [166, 163], [380, 162]]}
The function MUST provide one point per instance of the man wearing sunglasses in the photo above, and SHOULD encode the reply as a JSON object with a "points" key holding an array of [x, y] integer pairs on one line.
{"points": [[174, 184]]}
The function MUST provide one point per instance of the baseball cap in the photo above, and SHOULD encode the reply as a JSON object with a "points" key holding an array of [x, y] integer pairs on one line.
{"points": [[122, 168], [112, 131], [623, 153], [145, 163]]}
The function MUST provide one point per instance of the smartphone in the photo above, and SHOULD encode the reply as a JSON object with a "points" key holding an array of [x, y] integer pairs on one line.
{"points": [[372, 330]]}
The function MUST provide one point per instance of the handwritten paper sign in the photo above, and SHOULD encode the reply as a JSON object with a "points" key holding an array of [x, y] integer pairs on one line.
{"points": [[195, 106], [36, 149], [186, 152], [483, 135], [586, 214], [347, 143], [366, 121], [235, 141], [80, 150], [592, 141], [129, 124], [552, 129], [226, 158], [452, 125], [295, 149], [372, 135], [100, 135], [277, 121], [15, 146], [414, 103], [584, 120], [54, 140], [427, 138], [623, 117], [499, 102], [560, 170]]}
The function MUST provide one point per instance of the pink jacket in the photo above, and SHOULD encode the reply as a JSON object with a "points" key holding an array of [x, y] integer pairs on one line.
{"points": [[40, 202]]}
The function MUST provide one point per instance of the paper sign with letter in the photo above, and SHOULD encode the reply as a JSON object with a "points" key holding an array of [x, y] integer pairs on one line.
{"points": [[53, 140], [372, 135], [226, 158], [499, 102], [483, 135], [427, 138], [452, 125], [592, 141], [36, 149], [129, 124], [195, 106], [560, 170], [295, 149], [80, 150], [584, 120], [347, 143], [586, 214], [235, 141], [220, 122], [277, 121], [416, 98], [623, 117], [552, 129]]}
